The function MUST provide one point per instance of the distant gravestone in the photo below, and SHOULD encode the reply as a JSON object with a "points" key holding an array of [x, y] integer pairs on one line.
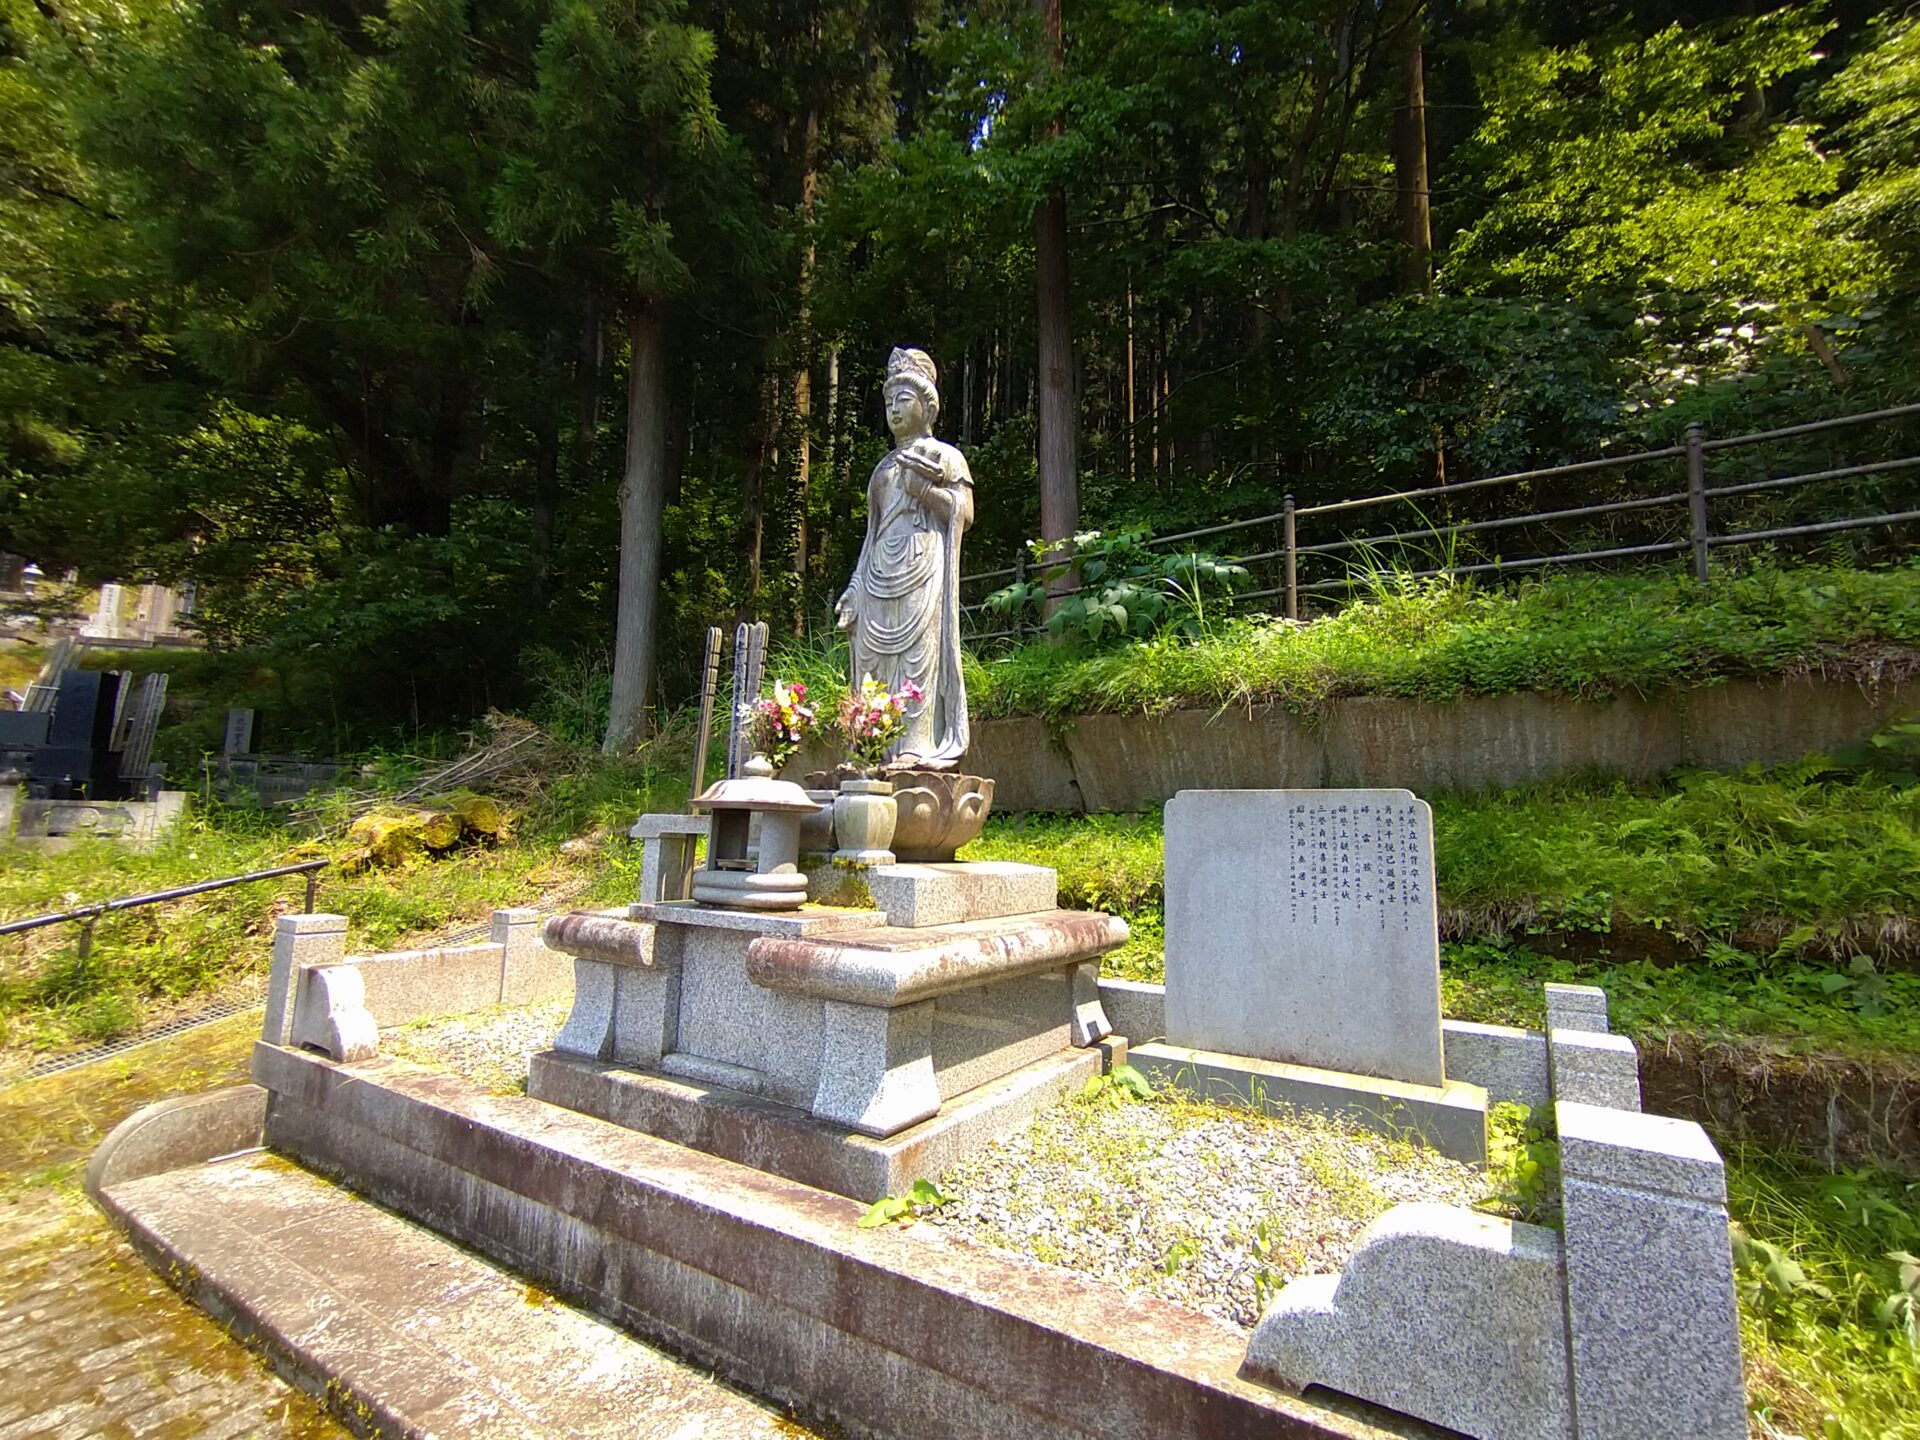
{"points": [[1301, 928], [136, 755], [106, 615], [78, 760], [239, 739]]}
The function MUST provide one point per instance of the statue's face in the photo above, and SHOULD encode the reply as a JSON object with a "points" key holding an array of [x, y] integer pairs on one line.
{"points": [[906, 412]]}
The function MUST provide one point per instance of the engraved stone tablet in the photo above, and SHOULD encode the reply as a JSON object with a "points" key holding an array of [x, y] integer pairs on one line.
{"points": [[1301, 927], [239, 739]]}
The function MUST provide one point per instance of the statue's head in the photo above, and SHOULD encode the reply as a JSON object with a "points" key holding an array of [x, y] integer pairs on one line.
{"points": [[912, 393]]}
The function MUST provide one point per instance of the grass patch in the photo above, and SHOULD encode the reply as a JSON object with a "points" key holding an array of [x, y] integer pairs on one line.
{"points": [[1106, 862], [1817, 856], [1798, 1007], [49, 1128], [18, 666], [1774, 903], [145, 964], [1589, 635], [1829, 1350]]}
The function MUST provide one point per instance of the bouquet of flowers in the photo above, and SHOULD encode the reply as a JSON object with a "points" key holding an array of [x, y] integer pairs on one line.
{"points": [[777, 723], [871, 719]]}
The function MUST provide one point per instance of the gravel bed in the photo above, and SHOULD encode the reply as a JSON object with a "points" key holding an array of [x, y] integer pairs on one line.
{"points": [[488, 1048], [1209, 1207]]}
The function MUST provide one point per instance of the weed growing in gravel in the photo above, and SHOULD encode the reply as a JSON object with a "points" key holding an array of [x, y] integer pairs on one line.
{"points": [[921, 1201], [1338, 1171], [1523, 1165], [1119, 1086]]}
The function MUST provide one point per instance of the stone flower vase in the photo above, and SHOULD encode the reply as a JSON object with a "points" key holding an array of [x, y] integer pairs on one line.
{"points": [[864, 815]]}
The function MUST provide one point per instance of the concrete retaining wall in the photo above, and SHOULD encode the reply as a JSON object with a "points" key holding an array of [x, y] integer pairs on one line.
{"points": [[1124, 762], [1844, 1112]]}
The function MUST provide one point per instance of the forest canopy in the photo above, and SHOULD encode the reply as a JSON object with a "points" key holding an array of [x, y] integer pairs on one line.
{"points": [[398, 327]]}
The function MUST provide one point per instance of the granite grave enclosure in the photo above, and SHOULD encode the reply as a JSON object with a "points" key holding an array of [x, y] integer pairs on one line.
{"points": [[1622, 1325]]}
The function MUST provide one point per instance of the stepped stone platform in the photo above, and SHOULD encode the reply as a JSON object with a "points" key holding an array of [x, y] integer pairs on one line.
{"points": [[406, 1332], [888, 1332], [857, 1050]]}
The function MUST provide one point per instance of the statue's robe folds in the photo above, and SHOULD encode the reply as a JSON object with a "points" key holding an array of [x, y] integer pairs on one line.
{"points": [[905, 601]]}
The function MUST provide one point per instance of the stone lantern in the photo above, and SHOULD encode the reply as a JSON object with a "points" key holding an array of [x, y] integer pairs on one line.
{"points": [[733, 878]]}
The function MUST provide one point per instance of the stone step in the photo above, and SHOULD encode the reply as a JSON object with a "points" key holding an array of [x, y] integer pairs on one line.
{"points": [[403, 1330]]}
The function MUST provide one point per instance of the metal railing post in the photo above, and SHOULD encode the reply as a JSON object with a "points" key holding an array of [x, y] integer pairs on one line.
{"points": [[1292, 548], [313, 888], [1020, 578], [1697, 497]]}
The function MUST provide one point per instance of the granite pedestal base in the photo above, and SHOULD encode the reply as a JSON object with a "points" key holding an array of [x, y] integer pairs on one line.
{"points": [[787, 1141], [833, 1024], [1450, 1117]]}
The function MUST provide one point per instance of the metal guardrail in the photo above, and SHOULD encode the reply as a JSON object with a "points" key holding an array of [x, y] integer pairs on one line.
{"points": [[1697, 496], [86, 915]]}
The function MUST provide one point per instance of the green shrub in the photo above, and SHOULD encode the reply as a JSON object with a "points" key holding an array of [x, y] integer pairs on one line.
{"points": [[1573, 633]]}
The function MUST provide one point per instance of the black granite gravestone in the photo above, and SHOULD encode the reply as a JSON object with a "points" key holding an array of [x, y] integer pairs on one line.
{"points": [[78, 761]]}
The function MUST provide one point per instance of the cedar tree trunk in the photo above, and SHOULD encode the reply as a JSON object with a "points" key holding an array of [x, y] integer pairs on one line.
{"points": [[1059, 485], [642, 498], [1410, 166]]}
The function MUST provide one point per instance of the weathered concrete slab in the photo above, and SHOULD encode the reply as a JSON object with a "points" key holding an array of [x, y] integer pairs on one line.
{"points": [[404, 1329], [1024, 753], [1302, 927], [1482, 740], [1770, 722], [184, 1130], [1125, 762], [1450, 1118], [1508, 1063], [774, 1283]]}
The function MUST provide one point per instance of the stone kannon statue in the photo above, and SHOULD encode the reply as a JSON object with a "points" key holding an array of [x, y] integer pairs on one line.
{"points": [[901, 610]]}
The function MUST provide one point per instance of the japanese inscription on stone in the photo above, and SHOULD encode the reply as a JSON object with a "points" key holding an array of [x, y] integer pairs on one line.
{"points": [[1301, 927], [1355, 862]]}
